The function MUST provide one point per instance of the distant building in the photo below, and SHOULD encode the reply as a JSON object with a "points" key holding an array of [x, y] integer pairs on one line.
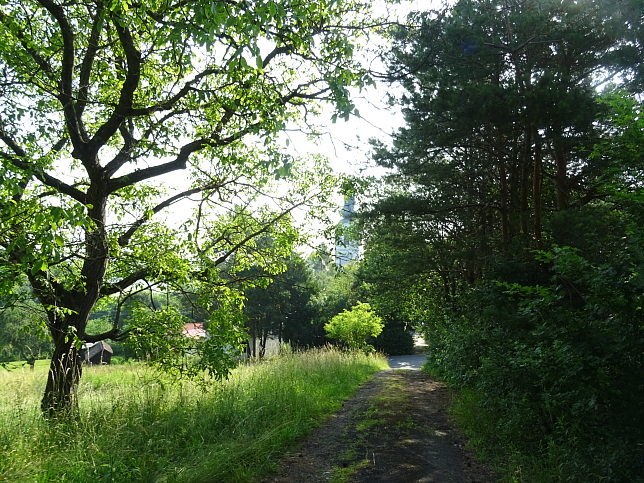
{"points": [[96, 353], [195, 330], [346, 247]]}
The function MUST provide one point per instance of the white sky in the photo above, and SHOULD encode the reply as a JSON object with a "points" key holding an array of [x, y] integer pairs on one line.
{"points": [[346, 142]]}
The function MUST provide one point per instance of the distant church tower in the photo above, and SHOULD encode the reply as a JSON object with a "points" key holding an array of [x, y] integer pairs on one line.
{"points": [[346, 248]]}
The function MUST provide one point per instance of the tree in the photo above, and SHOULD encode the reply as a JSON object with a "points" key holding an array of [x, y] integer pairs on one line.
{"points": [[22, 335], [355, 326], [511, 228], [282, 307], [500, 117], [101, 98]]}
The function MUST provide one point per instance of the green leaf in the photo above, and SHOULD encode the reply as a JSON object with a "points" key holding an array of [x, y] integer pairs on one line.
{"points": [[39, 266]]}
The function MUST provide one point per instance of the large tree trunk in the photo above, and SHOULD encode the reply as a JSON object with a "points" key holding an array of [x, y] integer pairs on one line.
{"points": [[536, 193], [527, 168], [505, 210], [65, 371], [561, 178], [262, 343]]}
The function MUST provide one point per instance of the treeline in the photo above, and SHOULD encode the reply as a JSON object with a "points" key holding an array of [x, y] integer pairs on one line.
{"points": [[291, 306], [511, 226]]}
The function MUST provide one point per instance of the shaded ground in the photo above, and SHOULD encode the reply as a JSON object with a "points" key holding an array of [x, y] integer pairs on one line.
{"points": [[395, 429]]}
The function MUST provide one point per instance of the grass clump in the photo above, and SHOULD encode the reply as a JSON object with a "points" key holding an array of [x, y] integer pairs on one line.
{"points": [[135, 427]]}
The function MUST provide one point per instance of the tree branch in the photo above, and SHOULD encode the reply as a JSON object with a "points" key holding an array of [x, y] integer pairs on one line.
{"points": [[73, 120], [121, 285], [38, 59], [125, 238], [172, 101], [18, 160], [255, 234], [180, 162], [124, 106], [130, 143], [88, 60]]}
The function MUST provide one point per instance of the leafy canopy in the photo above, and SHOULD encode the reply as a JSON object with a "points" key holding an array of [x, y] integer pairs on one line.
{"points": [[112, 112]]}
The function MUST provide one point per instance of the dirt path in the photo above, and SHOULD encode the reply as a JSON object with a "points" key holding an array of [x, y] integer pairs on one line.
{"points": [[395, 429]]}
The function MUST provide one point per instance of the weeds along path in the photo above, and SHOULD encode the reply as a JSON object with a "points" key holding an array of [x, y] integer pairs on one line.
{"points": [[395, 429]]}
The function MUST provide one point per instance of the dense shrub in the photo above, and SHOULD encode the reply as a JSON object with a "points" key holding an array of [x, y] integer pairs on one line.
{"points": [[557, 367], [395, 339], [355, 327]]}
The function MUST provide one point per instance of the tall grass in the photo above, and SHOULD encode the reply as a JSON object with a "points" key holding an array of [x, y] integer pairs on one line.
{"points": [[134, 427]]}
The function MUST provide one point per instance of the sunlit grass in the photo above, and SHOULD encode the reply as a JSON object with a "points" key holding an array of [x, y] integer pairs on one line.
{"points": [[135, 427]]}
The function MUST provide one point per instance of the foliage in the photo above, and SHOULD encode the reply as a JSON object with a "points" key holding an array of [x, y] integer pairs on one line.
{"points": [[509, 229], [113, 112], [23, 333], [157, 337], [22, 337], [284, 307], [616, 155], [233, 431], [395, 339], [339, 290], [354, 327], [557, 365]]}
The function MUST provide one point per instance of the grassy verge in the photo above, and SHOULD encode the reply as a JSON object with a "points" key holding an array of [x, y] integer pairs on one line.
{"points": [[490, 439], [136, 428]]}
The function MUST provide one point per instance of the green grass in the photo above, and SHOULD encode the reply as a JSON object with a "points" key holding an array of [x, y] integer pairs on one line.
{"points": [[136, 428]]}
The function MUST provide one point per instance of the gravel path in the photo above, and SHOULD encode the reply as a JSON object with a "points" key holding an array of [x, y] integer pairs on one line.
{"points": [[414, 362], [395, 429]]}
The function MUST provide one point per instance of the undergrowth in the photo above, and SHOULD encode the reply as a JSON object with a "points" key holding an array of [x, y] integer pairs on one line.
{"points": [[135, 427]]}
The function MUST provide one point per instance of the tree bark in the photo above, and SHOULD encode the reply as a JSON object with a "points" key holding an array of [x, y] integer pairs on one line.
{"points": [[536, 189], [527, 167], [65, 371], [561, 178], [505, 214]]}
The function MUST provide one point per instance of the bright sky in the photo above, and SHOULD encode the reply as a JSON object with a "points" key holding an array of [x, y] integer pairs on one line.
{"points": [[346, 142]]}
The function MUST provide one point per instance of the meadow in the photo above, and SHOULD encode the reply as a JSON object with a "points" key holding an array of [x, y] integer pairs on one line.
{"points": [[135, 426]]}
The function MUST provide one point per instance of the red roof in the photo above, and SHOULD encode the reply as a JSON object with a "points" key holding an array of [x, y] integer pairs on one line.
{"points": [[194, 329]]}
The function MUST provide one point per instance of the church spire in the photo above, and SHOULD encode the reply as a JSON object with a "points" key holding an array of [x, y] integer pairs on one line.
{"points": [[346, 248]]}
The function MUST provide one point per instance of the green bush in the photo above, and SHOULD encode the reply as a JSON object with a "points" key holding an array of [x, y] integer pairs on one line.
{"points": [[557, 368], [355, 326]]}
